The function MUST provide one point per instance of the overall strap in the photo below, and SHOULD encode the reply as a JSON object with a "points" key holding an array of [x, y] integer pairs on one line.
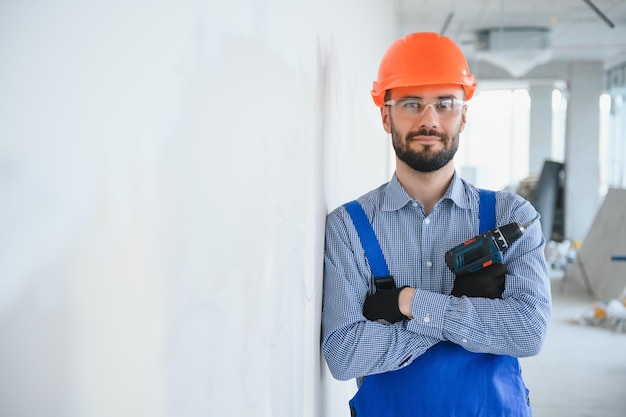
{"points": [[487, 210], [369, 242]]}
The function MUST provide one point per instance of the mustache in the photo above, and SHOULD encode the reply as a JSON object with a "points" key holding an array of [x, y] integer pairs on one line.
{"points": [[426, 132]]}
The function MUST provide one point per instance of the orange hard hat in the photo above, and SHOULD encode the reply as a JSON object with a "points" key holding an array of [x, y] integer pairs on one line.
{"points": [[423, 58]]}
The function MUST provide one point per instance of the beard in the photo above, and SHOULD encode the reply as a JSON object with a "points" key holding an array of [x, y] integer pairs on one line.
{"points": [[426, 160]]}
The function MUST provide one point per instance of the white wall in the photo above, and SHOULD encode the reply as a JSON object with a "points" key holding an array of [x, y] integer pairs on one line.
{"points": [[165, 170]]}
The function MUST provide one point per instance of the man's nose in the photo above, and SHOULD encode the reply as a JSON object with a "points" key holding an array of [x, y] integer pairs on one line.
{"points": [[429, 117]]}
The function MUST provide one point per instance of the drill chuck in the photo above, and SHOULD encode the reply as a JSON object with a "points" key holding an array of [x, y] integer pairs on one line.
{"points": [[505, 236]]}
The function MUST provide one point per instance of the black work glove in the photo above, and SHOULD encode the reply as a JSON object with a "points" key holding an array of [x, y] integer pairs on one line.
{"points": [[486, 283], [383, 307]]}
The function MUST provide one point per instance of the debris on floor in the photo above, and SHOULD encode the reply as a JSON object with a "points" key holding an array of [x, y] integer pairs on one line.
{"points": [[608, 314]]}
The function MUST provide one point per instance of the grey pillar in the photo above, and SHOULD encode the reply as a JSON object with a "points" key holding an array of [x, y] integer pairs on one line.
{"points": [[540, 132], [582, 148]]}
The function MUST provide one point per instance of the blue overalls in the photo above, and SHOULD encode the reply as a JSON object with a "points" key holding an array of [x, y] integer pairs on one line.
{"points": [[447, 380]]}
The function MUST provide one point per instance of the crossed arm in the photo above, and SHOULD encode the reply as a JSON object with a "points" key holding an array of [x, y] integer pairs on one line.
{"points": [[354, 346]]}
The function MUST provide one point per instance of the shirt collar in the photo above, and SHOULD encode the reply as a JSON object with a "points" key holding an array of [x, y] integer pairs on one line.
{"points": [[396, 196]]}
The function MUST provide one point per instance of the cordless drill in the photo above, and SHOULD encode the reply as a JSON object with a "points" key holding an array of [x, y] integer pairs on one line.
{"points": [[485, 249]]}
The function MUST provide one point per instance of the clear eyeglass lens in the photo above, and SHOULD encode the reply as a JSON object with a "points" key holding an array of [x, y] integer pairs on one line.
{"points": [[412, 107]]}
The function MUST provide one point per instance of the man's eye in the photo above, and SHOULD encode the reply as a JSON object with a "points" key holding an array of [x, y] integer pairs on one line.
{"points": [[445, 104], [411, 104]]}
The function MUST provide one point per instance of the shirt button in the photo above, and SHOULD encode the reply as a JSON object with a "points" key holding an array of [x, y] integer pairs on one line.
{"points": [[414, 204], [429, 264], [464, 340], [426, 319], [427, 221]]}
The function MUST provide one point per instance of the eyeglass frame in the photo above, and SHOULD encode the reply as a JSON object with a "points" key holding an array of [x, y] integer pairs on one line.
{"points": [[457, 103]]}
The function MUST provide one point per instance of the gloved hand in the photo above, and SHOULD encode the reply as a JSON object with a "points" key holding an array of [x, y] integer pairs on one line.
{"points": [[486, 283], [383, 307]]}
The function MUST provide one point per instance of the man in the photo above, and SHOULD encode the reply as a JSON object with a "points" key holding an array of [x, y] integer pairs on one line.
{"points": [[431, 343]]}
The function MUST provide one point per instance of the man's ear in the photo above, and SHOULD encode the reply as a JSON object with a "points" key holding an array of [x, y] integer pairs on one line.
{"points": [[384, 114]]}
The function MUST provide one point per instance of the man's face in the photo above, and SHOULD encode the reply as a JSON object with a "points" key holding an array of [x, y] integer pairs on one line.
{"points": [[424, 130]]}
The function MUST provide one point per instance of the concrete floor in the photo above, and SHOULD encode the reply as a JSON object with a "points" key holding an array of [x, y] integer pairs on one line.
{"points": [[581, 371]]}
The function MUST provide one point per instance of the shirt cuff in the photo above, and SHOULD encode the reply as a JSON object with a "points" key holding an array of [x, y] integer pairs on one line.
{"points": [[428, 310]]}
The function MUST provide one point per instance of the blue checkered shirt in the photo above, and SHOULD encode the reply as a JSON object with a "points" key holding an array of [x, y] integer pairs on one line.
{"points": [[414, 245]]}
